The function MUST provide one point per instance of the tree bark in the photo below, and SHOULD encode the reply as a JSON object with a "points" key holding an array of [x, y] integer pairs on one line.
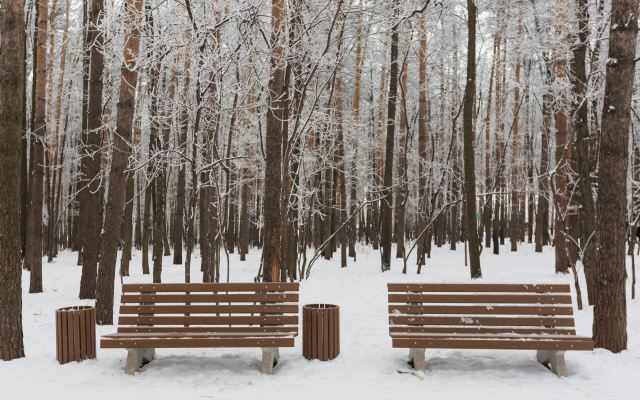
{"points": [[273, 161], [119, 161], [610, 311], [581, 128], [39, 133], [12, 92], [93, 199], [469, 161], [387, 198]]}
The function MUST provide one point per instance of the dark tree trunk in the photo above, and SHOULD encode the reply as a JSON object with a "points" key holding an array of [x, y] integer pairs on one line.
{"points": [[119, 161], [39, 133], [387, 220], [469, 161], [581, 128], [12, 98], [273, 161], [178, 229], [610, 311], [93, 199], [127, 225]]}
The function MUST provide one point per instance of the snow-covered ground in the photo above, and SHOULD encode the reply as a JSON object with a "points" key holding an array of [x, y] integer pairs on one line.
{"points": [[367, 368]]}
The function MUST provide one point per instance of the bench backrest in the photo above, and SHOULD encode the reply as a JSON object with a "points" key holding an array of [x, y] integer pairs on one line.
{"points": [[209, 307], [476, 308]]}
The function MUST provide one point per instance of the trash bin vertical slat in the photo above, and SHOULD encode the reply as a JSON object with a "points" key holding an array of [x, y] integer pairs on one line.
{"points": [[70, 336], [63, 337], [325, 334], [94, 351], [83, 335], [76, 335]]}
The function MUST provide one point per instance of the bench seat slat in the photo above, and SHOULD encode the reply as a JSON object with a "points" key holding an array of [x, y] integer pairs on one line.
{"points": [[481, 329], [486, 336], [480, 321], [192, 343], [210, 320], [197, 334], [211, 298], [492, 344], [478, 287], [211, 287], [208, 309], [481, 298], [480, 309], [209, 329]]}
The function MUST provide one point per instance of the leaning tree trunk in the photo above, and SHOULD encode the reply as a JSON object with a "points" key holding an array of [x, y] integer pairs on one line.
{"points": [[469, 161], [12, 67], [610, 311], [121, 139], [92, 197]]}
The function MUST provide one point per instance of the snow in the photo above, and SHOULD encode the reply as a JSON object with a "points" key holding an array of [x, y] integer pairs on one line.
{"points": [[367, 368]]}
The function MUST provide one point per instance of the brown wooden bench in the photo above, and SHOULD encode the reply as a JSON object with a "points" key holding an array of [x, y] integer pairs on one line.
{"points": [[204, 315], [484, 316]]}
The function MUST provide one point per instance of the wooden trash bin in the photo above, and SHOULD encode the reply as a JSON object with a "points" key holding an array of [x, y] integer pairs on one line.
{"points": [[320, 331], [75, 333]]}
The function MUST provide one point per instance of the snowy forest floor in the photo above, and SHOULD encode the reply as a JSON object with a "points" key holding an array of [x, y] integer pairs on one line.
{"points": [[367, 368]]}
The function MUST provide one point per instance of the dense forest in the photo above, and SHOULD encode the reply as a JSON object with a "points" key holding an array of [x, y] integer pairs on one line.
{"points": [[301, 129]]}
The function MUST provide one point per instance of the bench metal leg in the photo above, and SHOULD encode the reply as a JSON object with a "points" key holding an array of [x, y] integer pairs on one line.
{"points": [[554, 360], [270, 357], [138, 358], [417, 360]]}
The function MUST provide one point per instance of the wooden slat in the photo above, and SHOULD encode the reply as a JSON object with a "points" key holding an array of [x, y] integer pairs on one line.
{"points": [[174, 343], [314, 333], [92, 324], [209, 309], [481, 329], [64, 330], [58, 337], [478, 287], [338, 331], [480, 309], [211, 298], [197, 334], [480, 321], [492, 344], [70, 336], [76, 334], [486, 336], [211, 287], [210, 320], [481, 298], [83, 334], [325, 334], [212, 329]]}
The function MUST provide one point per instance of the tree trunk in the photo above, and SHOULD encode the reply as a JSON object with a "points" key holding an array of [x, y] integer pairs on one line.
{"points": [[121, 139], [12, 92], [387, 198], [610, 311], [93, 199], [39, 133], [273, 161], [469, 161], [581, 128]]}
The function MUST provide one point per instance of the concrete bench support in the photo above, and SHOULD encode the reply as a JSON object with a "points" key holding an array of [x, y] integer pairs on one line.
{"points": [[138, 358], [417, 360], [270, 357], [553, 360]]}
